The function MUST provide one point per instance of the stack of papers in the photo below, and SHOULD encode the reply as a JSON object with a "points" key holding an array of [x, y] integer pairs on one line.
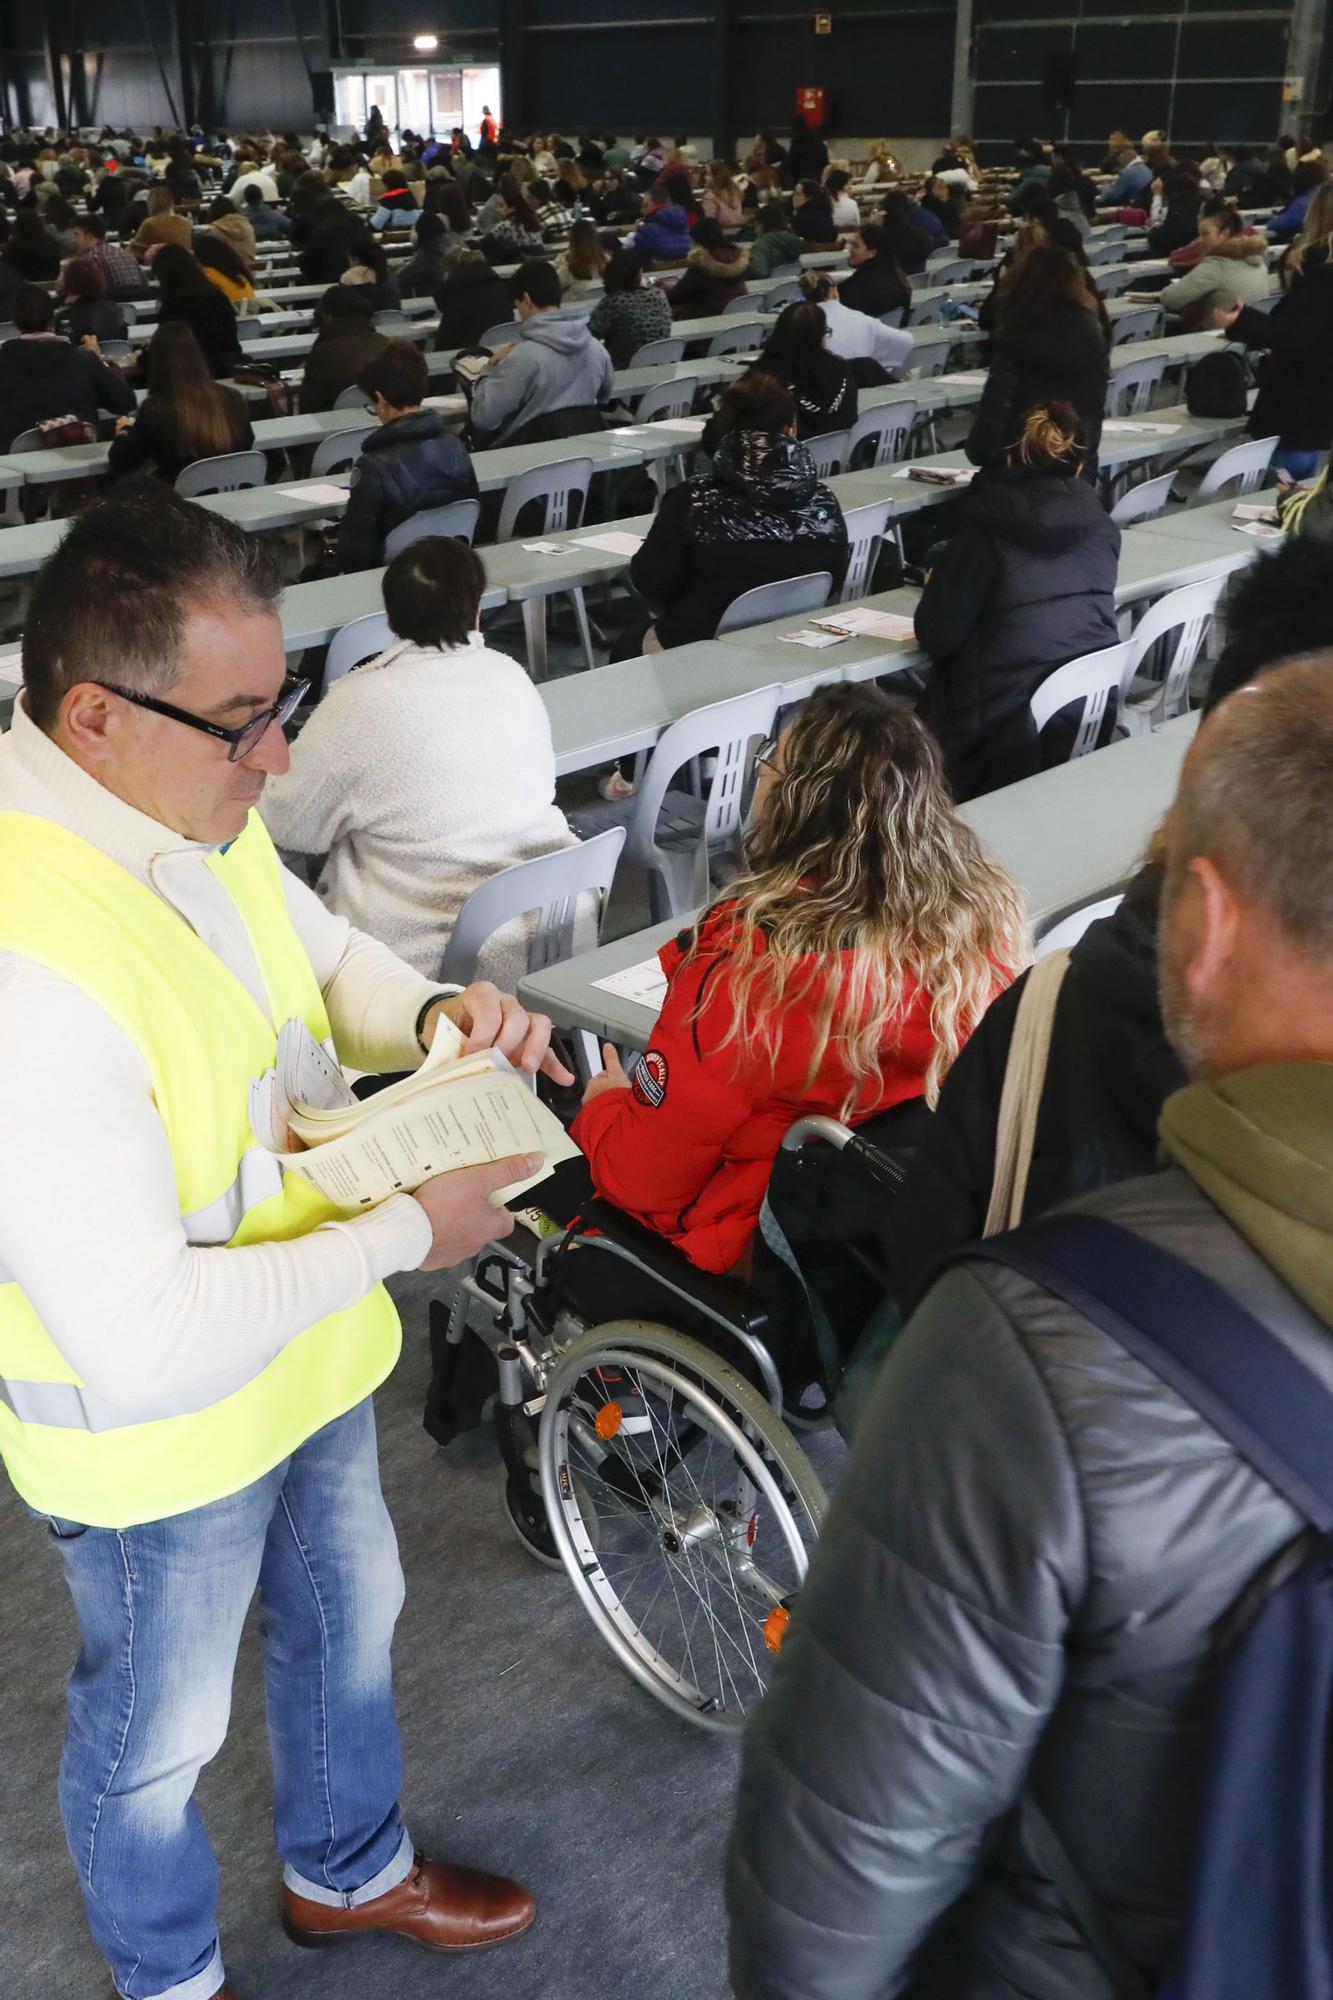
{"points": [[975, 378], [810, 635], [1137, 427], [320, 495], [858, 621], [645, 984], [939, 475], [692, 424]]}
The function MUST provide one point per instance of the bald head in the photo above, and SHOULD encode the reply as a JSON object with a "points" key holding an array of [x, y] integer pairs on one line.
{"points": [[1246, 947]]}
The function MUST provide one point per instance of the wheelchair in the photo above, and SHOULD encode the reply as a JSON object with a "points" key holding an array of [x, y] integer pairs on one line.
{"points": [[645, 1413]]}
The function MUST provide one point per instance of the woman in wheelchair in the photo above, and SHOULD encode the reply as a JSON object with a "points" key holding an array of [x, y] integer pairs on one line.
{"points": [[840, 974]]}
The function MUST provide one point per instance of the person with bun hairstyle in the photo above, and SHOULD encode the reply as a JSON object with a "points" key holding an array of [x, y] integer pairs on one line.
{"points": [[1026, 583], [840, 974]]}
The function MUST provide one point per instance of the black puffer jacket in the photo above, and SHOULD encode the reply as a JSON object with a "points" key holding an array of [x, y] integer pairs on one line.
{"points": [[760, 516], [1061, 357], [1017, 1594], [1109, 1071], [1295, 399], [471, 299], [1027, 582], [411, 463]]}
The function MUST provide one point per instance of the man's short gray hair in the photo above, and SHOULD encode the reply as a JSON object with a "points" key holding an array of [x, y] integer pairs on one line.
{"points": [[111, 603]]}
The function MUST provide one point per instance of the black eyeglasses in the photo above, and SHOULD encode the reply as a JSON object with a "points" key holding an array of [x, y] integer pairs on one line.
{"points": [[765, 754], [238, 741]]}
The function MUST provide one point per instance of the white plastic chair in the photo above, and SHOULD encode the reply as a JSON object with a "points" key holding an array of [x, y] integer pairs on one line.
{"points": [[1140, 324], [555, 486], [1066, 934], [361, 639], [890, 425], [738, 307], [1243, 466], [737, 339], [788, 293], [658, 353], [672, 836], [351, 398], [829, 452], [956, 272], [1129, 389], [229, 472], [1188, 613], [456, 520], [1111, 283], [668, 399], [1145, 501], [925, 312], [1094, 679], [500, 334], [925, 361], [343, 448], [866, 527], [786, 597]]}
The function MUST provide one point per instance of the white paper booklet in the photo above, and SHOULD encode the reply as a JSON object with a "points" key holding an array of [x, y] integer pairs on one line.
{"points": [[809, 635], [1137, 427], [859, 622], [457, 1110], [645, 984], [322, 495], [615, 543]]}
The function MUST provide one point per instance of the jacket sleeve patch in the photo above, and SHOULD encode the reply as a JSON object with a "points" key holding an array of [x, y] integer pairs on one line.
{"points": [[649, 1082]]}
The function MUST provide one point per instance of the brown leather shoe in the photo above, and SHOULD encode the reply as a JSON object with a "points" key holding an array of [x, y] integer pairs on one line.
{"points": [[438, 1905]]}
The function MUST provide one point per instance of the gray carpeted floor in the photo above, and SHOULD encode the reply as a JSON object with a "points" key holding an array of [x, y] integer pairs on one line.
{"points": [[526, 1749]]}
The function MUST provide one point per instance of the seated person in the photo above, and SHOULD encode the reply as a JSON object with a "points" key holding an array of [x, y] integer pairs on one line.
{"points": [[269, 224], [1026, 583], [88, 307], [398, 206], [424, 772], [714, 275], [1232, 270], [410, 463], [346, 343], [776, 242], [188, 294], [553, 376], [185, 416], [43, 377], [877, 284], [471, 299], [840, 974], [161, 225], [629, 313], [878, 353], [796, 354], [759, 515]]}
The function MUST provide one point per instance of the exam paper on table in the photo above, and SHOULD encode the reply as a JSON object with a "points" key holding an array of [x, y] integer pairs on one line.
{"points": [[810, 636], [614, 544], [1131, 427], [974, 378], [864, 623], [645, 984], [693, 424], [322, 496]]}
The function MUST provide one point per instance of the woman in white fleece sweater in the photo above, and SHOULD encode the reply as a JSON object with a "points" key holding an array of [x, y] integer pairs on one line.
{"points": [[424, 772]]}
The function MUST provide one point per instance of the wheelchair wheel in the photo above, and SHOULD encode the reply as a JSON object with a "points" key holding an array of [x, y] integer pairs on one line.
{"points": [[525, 1511], [684, 1511]]}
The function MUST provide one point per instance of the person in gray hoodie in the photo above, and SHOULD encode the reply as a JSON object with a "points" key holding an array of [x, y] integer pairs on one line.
{"points": [[1021, 1595], [548, 383]]}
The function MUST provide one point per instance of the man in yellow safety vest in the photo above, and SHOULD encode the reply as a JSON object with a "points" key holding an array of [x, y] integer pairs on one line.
{"points": [[186, 1381]]}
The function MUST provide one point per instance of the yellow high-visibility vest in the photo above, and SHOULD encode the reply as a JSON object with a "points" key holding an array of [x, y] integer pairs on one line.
{"points": [[69, 1451]]}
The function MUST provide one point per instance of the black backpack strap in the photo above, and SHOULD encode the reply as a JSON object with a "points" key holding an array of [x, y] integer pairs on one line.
{"points": [[1227, 1364]]}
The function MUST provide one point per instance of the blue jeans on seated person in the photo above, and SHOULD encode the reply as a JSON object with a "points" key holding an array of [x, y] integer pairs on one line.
{"points": [[160, 1612], [1300, 464]]}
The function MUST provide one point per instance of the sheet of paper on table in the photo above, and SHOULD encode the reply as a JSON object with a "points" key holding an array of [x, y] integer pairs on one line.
{"points": [[645, 984], [863, 623], [544, 548], [1134, 427], [1255, 510], [809, 635], [614, 544], [692, 424], [1263, 531], [939, 475], [975, 378], [320, 496]]}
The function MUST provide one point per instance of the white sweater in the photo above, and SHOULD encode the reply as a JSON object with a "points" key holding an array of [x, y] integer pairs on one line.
{"points": [[90, 1222], [420, 776]]}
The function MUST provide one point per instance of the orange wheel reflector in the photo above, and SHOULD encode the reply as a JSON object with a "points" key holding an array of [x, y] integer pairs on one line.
{"points": [[775, 1628], [609, 1419]]}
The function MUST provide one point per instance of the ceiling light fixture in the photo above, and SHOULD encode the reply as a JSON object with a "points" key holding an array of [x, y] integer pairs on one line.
{"points": [[427, 44]]}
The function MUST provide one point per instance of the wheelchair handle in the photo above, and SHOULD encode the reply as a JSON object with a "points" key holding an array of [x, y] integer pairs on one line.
{"points": [[833, 1133]]}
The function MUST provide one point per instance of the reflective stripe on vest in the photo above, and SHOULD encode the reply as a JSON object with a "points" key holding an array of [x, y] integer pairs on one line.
{"points": [[70, 1450]]}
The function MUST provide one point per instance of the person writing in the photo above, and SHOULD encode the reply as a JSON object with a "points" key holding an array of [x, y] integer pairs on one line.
{"points": [[187, 1401], [553, 369], [185, 416], [840, 974], [410, 463]]}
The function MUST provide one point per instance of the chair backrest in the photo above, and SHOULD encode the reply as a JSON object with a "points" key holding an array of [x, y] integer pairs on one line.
{"points": [[787, 293], [556, 485], [27, 441], [736, 339], [229, 472], [658, 353], [498, 335], [1139, 324], [890, 426], [1094, 680], [249, 327], [668, 399], [678, 874], [549, 885], [865, 532], [925, 312], [360, 640], [116, 350], [341, 449], [926, 360], [1111, 283], [456, 520], [829, 452], [1243, 466], [1187, 612], [1145, 501], [742, 303], [955, 272], [1064, 935], [1129, 389], [782, 271], [786, 597], [351, 398], [1109, 250]]}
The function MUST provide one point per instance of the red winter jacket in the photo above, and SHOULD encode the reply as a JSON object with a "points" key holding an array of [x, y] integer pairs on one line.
{"points": [[689, 1148]]}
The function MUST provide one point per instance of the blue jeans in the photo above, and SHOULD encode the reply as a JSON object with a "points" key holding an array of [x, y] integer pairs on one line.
{"points": [[1300, 464], [160, 1612]]}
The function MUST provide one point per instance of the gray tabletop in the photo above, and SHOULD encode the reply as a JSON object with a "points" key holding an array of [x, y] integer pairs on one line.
{"points": [[1067, 836]]}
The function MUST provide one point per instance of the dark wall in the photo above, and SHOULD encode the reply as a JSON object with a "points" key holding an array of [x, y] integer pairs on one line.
{"points": [[1185, 69]]}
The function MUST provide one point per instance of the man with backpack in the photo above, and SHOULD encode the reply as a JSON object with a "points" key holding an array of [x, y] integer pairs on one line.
{"points": [[1051, 1715]]}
